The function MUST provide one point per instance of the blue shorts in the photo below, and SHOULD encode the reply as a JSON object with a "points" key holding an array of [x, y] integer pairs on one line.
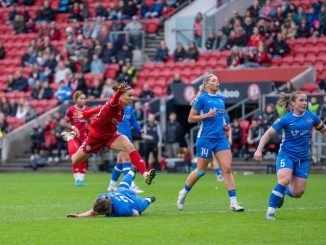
{"points": [[206, 147], [300, 167]]}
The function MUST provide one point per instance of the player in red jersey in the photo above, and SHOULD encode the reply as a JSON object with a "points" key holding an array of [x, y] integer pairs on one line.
{"points": [[102, 131], [79, 127]]}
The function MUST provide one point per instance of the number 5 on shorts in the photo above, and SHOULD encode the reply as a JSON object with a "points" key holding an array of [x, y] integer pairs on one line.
{"points": [[282, 163]]}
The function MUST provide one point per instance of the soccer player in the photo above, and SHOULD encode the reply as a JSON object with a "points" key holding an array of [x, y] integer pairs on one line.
{"points": [[102, 131], [209, 109], [293, 160], [120, 203], [123, 160], [79, 127]]}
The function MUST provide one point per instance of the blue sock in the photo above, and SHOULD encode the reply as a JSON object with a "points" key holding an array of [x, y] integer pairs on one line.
{"points": [[276, 195], [126, 168], [218, 171], [288, 192], [193, 167], [187, 187], [116, 171], [232, 193], [126, 181]]}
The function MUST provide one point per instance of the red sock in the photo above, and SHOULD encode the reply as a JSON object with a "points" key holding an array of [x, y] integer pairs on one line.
{"points": [[72, 147], [82, 167], [75, 168], [137, 160]]}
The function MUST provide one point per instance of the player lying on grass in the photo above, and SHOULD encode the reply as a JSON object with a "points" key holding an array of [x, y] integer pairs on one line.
{"points": [[120, 203]]}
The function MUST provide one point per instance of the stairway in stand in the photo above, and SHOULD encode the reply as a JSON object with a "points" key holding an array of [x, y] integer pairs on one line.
{"points": [[152, 43]]}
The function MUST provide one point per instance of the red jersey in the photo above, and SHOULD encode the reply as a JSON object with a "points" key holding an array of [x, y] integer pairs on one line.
{"points": [[106, 121], [80, 123]]}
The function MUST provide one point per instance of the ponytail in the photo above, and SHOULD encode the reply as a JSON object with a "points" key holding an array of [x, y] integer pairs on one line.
{"points": [[202, 88]]}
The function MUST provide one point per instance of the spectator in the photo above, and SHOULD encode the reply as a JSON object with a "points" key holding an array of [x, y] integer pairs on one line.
{"points": [[108, 54], [254, 134], [37, 140], [5, 106], [112, 12], [192, 52], [180, 53], [107, 89], [60, 72], [198, 29], [13, 108], [2, 52], [279, 47], [287, 88], [236, 137], [267, 11], [162, 53], [61, 145], [45, 13], [36, 90], [173, 135], [221, 40], [322, 111], [313, 105], [316, 30], [19, 24], [116, 27], [49, 136], [322, 19], [11, 83], [210, 41], [123, 76], [124, 54], [299, 15], [97, 65], [262, 57], [176, 80], [21, 83], [153, 141], [22, 109], [235, 59], [78, 82], [12, 13], [289, 29], [3, 128], [254, 9], [134, 30], [303, 29], [269, 116], [248, 27], [95, 91], [27, 2], [100, 10], [156, 10], [139, 112], [255, 38], [146, 93], [63, 92], [46, 92]]}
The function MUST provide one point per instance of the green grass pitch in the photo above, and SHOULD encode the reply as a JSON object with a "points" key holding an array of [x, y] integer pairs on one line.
{"points": [[33, 208]]}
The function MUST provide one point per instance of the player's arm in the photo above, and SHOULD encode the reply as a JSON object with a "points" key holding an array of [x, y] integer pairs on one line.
{"points": [[88, 213], [258, 156], [321, 127], [67, 124], [88, 113], [135, 123], [115, 100], [135, 213], [195, 117]]}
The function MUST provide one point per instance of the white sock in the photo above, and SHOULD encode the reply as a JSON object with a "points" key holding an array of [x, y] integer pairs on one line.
{"points": [[81, 176], [233, 200], [76, 176], [271, 210], [184, 192], [113, 183], [148, 199]]}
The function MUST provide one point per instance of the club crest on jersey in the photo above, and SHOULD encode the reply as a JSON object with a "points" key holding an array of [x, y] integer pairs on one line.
{"points": [[88, 147], [310, 120], [295, 132]]}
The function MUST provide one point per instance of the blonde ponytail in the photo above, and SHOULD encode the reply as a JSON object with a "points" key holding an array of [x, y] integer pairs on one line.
{"points": [[202, 88]]}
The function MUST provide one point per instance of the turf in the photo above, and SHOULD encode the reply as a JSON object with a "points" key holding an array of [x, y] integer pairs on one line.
{"points": [[33, 207]]}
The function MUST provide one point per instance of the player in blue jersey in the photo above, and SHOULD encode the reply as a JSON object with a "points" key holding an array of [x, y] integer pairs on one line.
{"points": [[209, 109], [123, 160], [293, 160], [120, 203]]}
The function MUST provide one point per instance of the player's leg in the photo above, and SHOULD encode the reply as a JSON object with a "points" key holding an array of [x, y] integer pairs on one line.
{"points": [[299, 178], [122, 143], [284, 168], [224, 157], [76, 154], [128, 179], [217, 170], [116, 172], [193, 177], [82, 171]]}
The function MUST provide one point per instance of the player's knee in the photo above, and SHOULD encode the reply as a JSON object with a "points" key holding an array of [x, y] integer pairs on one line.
{"points": [[227, 171], [297, 193], [201, 173], [285, 181]]}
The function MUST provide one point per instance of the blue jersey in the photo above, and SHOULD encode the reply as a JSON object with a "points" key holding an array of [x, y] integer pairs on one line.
{"points": [[297, 133], [124, 201], [129, 119], [212, 127]]}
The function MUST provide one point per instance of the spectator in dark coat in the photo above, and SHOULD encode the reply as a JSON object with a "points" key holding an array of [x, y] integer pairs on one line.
{"points": [[180, 53], [279, 47], [162, 53], [2, 51]]}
